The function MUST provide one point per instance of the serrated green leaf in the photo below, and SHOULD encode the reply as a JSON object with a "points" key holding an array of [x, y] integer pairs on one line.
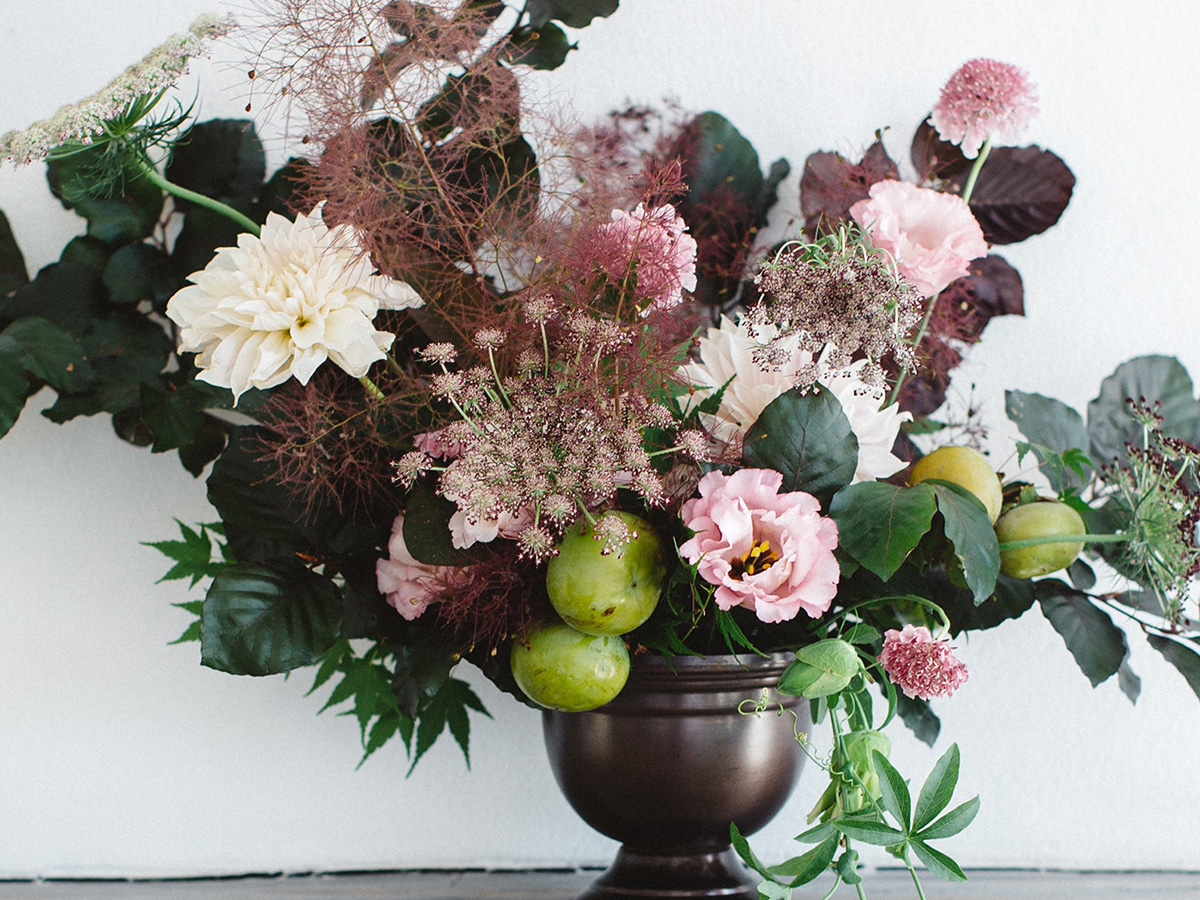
{"points": [[807, 439], [952, 822], [938, 788], [191, 633], [446, 709], [869, 831], [879, 524], [938, 863], [893, 790], [268, 619]]}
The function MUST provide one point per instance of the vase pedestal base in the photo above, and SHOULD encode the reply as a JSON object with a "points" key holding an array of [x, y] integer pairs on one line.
{"points": [[639, 875]]}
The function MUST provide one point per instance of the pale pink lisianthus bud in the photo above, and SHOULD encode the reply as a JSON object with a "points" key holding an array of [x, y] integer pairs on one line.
{"points": [[919, 665], [932, 236], [769, 552], [984, 98], [408, 585], [466, 532], [653, 245]]}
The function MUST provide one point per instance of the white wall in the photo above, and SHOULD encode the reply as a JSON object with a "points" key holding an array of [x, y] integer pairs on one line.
{"points": [[120, 755]]}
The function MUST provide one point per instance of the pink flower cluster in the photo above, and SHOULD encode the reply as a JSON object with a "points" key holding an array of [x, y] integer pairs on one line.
{"points": [[931, 235], [653, 245], [984, 99], [919, 665], [769, 552]]}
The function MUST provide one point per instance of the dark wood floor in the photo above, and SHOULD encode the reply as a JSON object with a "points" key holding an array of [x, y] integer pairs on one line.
{"points": [[881, 885]]}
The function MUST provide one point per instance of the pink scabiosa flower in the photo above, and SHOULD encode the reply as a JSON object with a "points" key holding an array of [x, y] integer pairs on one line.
{"points": [[932, 236], [919, 665], [984, 99], [654, 246], [769, 552], [727, 356], [408, 585]]}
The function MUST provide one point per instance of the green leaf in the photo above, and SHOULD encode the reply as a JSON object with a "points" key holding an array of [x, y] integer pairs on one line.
{"points": [[572, 13], [117, 212], [140, 272], [542, 47], [1155, 378], [807, 866], [1129, 683], [447, 709], [806, 438], [14, 389], [268, 619], [193, 555], [952, 822], [47, 352], [1053, 428], [869, 831], [879, 524], [68, 293], [938, 863], [427, 529], [920, 719], [1099, 646], [969, 529], [1184, 657], [220, 158], [938, 789], [820, 669], [742, 847], [13, 273], [894, 791]]}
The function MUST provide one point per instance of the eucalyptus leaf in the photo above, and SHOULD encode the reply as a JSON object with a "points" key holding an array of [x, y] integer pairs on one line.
{"points": [[268, 619], [879, 524], [806, 437]]}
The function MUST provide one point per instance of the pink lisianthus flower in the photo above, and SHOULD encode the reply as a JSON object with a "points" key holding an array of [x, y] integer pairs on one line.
{"points": [[769, 552], [919, 665], [655, 246], [984, 99], [466, 532], [408, 585], [932, 236]]}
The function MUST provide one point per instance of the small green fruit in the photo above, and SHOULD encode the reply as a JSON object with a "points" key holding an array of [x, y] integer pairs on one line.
{"points": [[560, 668], [967, 468], [606, 593], [1044, 518]]}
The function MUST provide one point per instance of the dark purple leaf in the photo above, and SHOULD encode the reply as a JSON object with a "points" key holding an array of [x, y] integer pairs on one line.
{"points": [[1021, 192], [831, 184], [934, 158], [991, 288]]}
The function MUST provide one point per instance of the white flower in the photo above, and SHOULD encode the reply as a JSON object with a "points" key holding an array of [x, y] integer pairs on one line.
{"points": [[279, 305], [727, 355]]}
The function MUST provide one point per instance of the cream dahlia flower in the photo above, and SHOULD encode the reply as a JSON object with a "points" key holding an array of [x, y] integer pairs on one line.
{"points": [[727, 353], [279, 305]]}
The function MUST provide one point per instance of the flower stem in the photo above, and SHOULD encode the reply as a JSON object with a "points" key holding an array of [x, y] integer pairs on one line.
{"points": [[969, 189], [921, 329], [372, 388], [913, 873], [1064, 538], [183, 193]]}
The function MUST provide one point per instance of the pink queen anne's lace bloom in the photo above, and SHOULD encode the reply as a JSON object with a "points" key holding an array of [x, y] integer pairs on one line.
{"points": [[983, 99], [656, 246], [766, 551], [919, 665]]}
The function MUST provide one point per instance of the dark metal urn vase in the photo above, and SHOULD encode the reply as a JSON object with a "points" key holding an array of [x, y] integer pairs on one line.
{"points": [[666, 766]]}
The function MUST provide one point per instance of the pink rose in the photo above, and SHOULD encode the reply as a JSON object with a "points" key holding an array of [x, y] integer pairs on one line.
{"points": [[408, 585], [931, 235], [766, 551]]}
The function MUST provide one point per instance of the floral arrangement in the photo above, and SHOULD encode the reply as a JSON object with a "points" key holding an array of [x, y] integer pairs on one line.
{"points": [[471, 387]]}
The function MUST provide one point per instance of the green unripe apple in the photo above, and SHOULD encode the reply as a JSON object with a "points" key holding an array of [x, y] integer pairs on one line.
{"points": [[1045, 518], [967, 468], [560, 668], [607, 593]]}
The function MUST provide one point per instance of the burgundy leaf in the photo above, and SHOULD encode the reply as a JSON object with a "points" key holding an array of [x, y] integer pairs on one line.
{"points": [[934, 158], [1021, 192], [831, 184], [992, 287]]}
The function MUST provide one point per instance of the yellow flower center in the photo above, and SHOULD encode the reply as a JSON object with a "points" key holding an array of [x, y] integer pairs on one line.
{"points": [[758, 558]]}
